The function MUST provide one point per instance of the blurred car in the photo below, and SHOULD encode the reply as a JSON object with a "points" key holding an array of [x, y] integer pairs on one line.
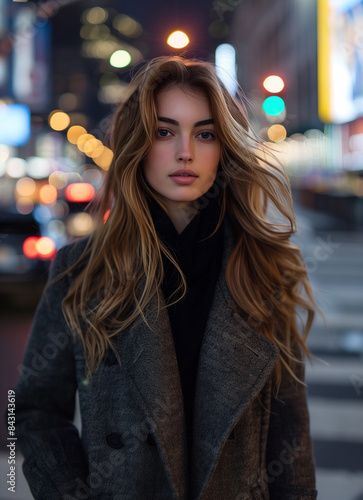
{"points": [[25, 253]]}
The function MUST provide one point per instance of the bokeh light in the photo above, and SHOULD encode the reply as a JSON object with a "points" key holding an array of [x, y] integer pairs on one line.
{"points": [[80, 224], [4, 152], [30, 248], [80, 192], [17, 118], [99, 32], [82, 140], [104, 160], [25, 186], [47, 194], [273, 105], [58, 120], [127, 26], [178, 40], [24, 205], [99, 49], [42, 213], [226, 66], [97, 151], [16, 167], [45, 247], [120, 59], [74, 133], [277, 133], [96, 15], [274, 84], [91, 145], [58, 179], [38, 168]]}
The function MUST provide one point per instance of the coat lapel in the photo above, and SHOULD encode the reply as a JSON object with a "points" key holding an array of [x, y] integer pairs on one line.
{"points": [[152, 365], [234, 365]]}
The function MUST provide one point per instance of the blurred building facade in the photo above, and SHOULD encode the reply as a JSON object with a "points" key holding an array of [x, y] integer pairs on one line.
{"points": [[316, 46], [279, 38]]}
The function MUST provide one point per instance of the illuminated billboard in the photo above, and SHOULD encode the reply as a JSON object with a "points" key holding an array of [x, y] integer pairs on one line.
{"points": [[340, 60], [14, 124], [30, 59]]}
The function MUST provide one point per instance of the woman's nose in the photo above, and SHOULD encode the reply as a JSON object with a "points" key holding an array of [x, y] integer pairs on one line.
{"points": [[184, 151]]}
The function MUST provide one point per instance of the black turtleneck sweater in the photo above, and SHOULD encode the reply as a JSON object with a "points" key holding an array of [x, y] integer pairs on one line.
{"points": [[199, 256]]}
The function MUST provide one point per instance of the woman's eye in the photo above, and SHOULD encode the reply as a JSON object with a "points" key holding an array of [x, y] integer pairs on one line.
{"points": [[163, 132], [207, 136]]}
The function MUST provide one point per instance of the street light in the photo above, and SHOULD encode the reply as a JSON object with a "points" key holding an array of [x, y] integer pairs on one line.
{"points": [[178, 40], [273, 84], [273, 104], [120, 59]]}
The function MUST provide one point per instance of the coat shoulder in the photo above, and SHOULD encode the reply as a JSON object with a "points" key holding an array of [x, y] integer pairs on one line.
{"points": [[71, 253]]}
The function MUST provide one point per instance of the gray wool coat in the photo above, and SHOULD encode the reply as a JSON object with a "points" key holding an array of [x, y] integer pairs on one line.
{"points": [[247, 444]]}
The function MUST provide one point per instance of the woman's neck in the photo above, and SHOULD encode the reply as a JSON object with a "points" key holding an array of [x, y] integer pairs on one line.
{"points": [[180, 214]]}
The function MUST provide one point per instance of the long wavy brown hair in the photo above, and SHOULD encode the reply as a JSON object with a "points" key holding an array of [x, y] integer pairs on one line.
{"points": [[123, 267]]}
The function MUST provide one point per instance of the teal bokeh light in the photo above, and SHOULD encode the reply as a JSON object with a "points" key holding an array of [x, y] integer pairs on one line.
{"points": [[273, 105]]}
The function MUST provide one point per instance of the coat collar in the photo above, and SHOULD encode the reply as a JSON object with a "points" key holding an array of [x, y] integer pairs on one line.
{"points": [[235, 363]]}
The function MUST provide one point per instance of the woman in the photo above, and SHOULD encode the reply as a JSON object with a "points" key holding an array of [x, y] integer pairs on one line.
{"points": [[176, 320]]}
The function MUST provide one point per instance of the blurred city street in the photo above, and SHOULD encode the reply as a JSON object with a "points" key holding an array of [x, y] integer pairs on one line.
{"points": [[334, 258]]}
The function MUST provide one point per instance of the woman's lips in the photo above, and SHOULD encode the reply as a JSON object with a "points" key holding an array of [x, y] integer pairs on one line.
{"points": [[184, 176]]}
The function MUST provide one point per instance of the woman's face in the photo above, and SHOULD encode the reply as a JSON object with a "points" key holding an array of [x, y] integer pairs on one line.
{"points": [[183, 161]]}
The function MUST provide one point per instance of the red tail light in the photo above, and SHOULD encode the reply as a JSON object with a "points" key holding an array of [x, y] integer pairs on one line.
{"points": [[39, 247], [29, 247], [80, 192]]}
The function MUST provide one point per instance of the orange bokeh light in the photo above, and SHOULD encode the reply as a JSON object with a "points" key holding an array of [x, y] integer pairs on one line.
{"points": [[45, 247], [48, 194], [74, 133], [82, 140], [104, 159]]}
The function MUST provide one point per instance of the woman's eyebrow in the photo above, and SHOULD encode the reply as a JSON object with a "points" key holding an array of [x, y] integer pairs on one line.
{"points": [[201, 123]]}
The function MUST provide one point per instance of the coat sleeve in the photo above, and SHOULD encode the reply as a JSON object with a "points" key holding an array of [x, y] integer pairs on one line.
{"points": [[290, 464], [55, 464]]}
